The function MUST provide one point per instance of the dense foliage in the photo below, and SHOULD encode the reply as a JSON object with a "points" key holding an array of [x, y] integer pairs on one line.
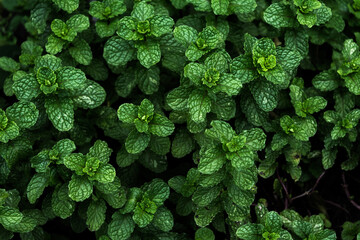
{"points": [[179, 119]]}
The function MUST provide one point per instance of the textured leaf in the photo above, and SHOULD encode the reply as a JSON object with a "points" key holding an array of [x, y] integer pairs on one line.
{"points": [[220, 7], [243, 68], [211, 161], [185, 34], [148, 53], [161, 25], [199, 105], [75, 162], [101, 151], [24, 114], [81, 52], [279, 15], [204, 233], [161, 126], [105, 173], [163, 219], [80, 188], [265, 94], [67, 5], [143, 11], [96, 215], [60, 113], [36, 186], [136, 142], [26, 88], [118, 51], [9, 64], [120, 227]]}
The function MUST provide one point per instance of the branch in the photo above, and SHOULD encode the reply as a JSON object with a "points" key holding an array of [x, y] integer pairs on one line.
{"points": [[346, 190], [311, 190], [287, 199]]}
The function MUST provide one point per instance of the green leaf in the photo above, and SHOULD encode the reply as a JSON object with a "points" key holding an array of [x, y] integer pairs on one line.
{"points": [[307, 19], [199, 105], [78, 22], [323, 15], [141, 217], [272, 222], [61, 203], [148, 53], [255, 139], [202, 197], [204, 234], [81, 52], [195, 72], [352, 82], [221, 130], [67, 5], [220, 7], [185, 34], [163, 219], [136, 142], [24, 114], [120, 227], [143, 11], [160, 25], [148, 79], [26, 88], [250, 231], [279, 15], [182, 144], [10, 216], [54, 44], [10, 132], [101, 151], [64, 147], [229, 84], [75, 162], [211, 161], [80, 188], [36, 186], [105, 173], [276, 76], [96, 214], [60, 113], [160, 145], [297, 40], [243, 7], [158, 191], [265, 94], [243, 68], [105, 29], [89, 95], [326, 81], [118, 51], [177, 98], [328, 158], [48, 61], [8, 64], [241, 159], [161, 126], [128, 29], [127, 112]]}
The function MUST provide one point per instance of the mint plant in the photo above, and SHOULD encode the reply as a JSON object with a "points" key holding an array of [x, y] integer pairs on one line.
{"points": [[179, 119]]}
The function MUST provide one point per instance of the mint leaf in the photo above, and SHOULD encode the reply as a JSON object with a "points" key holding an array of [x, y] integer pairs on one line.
{"points": [[80, 188], [68, 6], [96, 215], [136, 142], [118, 51], [199, 105], [60, 113]]}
